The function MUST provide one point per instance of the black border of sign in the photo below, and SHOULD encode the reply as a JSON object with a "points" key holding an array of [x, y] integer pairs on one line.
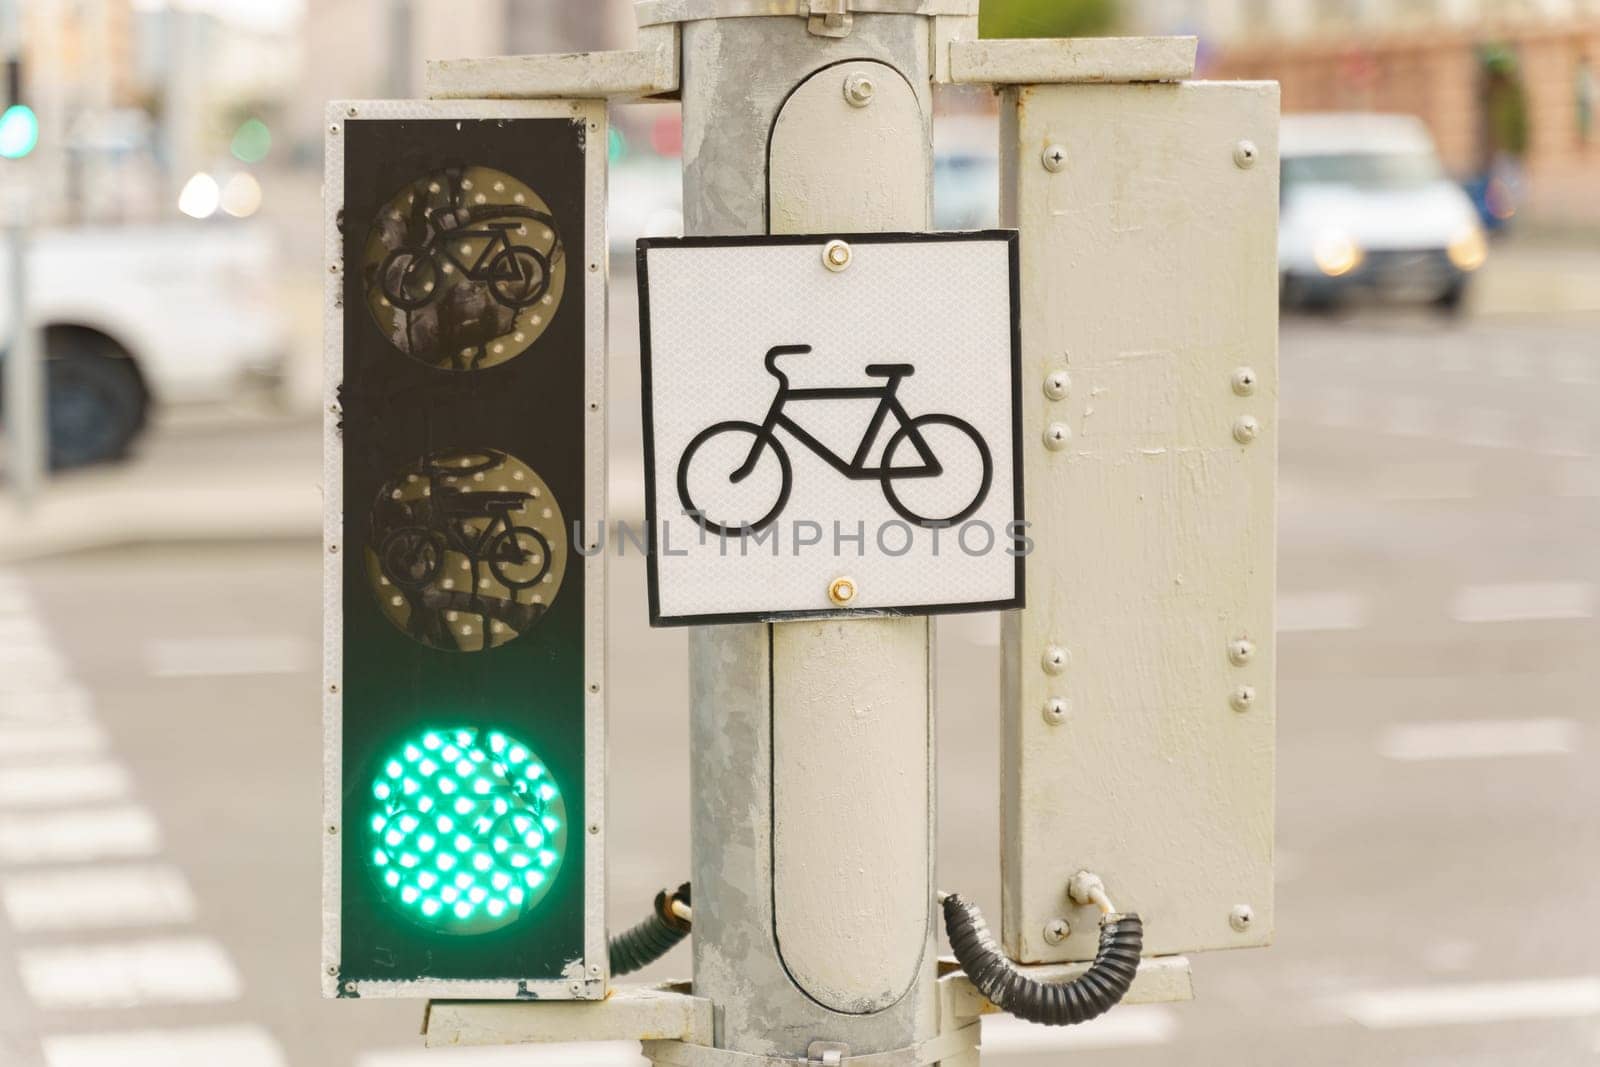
{"points": [[1016, 601]]}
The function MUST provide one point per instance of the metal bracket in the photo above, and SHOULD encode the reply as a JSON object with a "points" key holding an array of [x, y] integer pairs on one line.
{"points": [[946, 1047], [830, 18]]}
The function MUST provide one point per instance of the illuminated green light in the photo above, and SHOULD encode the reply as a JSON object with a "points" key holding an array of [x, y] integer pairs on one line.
{"points": [[19, 131], [466, 839], [251, 141]]}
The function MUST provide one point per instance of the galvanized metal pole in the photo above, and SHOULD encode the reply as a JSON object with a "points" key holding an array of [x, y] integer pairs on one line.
{"points": [[24, 385], [812, 742]]}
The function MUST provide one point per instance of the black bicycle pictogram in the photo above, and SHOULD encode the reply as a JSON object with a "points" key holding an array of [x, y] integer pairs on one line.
{"points": [[411, 556], [517, 275], [763, 438]]}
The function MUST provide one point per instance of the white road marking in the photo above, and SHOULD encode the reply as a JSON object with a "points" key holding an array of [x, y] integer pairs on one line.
{"points": [[50, 703], [63, 783], [96, 897], [1480, 739], [1523, 602], [185, 970], [78, 836], [210, 657], [1133, 1024], [28, 739], [1479, 1002], [589, 1054], [1333, 610], [221, 1046]]}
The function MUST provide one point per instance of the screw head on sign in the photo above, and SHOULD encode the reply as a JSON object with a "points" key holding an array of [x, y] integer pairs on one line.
{"points": [[1245, 154], [842, 590], [1057, 385], [1246, 429], [1244, 381], [1240, 651], [1054, 660], [836, 255], [1056, 710], [1243, 698], [858, 90], [1241, 917], [1056, 931], [1057, 435], [1054, 158]]}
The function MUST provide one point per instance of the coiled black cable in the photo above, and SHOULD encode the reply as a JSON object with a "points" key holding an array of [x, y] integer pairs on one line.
{"points": [[1092, 993], [655, 937]]}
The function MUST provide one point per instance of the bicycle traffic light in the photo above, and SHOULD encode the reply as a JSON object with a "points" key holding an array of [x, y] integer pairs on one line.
{"points": [[19, 126], [464, 691]]}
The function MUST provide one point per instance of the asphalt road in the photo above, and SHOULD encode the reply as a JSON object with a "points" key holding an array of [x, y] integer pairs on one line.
{"points": [[1439, 848]]}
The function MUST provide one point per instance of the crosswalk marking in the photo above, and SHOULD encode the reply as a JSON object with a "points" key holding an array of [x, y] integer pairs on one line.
{"points": [[208, 657], [1479, 1002], [221, 1046], [30, 739], [49, 703], [179, 970], [589, 1054], [1524, 602], [96, 897], [121, 832], [1334, 610], [64, 783], [1134, 1024], [1480, 739]]}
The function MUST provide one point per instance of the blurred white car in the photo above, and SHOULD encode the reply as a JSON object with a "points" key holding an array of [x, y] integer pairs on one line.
{"points": [[139, 315], [1366, 205]]}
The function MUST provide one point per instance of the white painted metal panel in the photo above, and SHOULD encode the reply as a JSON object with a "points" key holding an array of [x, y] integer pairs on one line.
{"points": [[1149, 293]]}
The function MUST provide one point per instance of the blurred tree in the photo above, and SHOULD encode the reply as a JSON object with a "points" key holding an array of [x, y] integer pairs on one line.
{"points": [[1046, 18]]}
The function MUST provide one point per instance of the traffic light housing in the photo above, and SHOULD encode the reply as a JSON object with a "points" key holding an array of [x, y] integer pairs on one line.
{"points": [[19, 126], [464, 693]]}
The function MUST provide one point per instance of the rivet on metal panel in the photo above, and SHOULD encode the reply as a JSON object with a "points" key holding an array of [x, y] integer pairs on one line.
{"points": [[858, 90], [1241, 917], [333, 829], [349, 987], [1054, 660], [1244, 381], [333, 971], [333, 548], [1240, 651], [333, 268], [575, 987], [1054, 158], [352, 112], [1246, 429], [334, 128], [1056, 931], [1057, 435], [1245, 154], [842, 590], [1057, 385], [1056, 710], [594, 828], [836, 255], [1243, 698]]}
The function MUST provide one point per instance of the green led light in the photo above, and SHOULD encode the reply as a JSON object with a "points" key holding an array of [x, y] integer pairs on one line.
{"points": [[251, 141], [465, 839], [19, 131]]}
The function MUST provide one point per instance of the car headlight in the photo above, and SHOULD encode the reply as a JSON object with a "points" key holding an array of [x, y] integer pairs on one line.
{"points": [[1469, 249], [1336, 254]]}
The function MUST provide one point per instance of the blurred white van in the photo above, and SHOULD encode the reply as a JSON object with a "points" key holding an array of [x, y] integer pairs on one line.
{"points": [[1366, 205]]}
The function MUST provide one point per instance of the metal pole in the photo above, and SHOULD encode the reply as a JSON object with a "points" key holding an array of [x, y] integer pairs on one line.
{"points": [[814, 913], [24, 386]]}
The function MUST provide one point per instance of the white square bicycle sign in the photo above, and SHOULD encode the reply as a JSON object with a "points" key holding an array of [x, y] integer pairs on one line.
{"points": [[831, 426]]}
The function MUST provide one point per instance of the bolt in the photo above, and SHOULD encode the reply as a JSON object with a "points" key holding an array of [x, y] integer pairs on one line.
{"points": [[333, 972], [1240, 651], [576, 988], [1244, 154], [333, 268], [1241, 917], [1055, 158], [858, 90], [333, 829], [1057, 385], [1056, 436], [1054, 660], [842, 590], [333, 687], [1243, 698], [349, 987], [1056, 931], [1246, 429], [836, 255], [594, 828], [333, 548], [594, 969], [1056, 709], [594, 687], [1244, 381], [334, 128], [351, 112]]}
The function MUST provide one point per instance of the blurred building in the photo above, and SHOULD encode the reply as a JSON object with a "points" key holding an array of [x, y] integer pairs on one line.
{"points": [[1508, 87]]}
